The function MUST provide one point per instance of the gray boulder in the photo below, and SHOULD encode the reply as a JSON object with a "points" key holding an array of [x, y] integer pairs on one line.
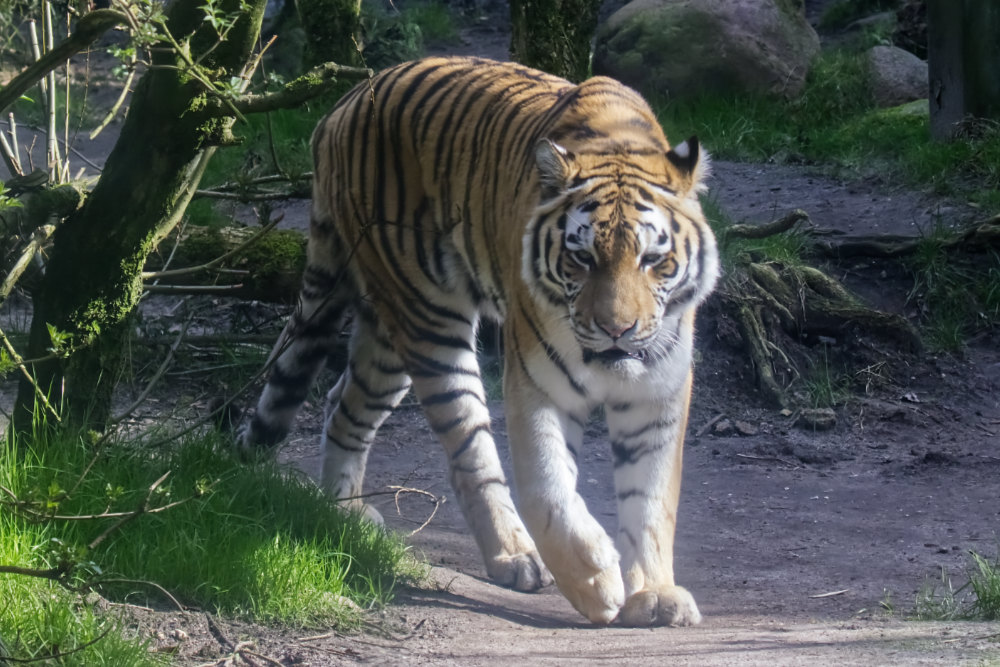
{"points": [[684, 48], [897, 76]]}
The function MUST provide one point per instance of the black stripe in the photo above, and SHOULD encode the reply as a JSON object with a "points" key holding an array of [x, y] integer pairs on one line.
{"points": [[480, 428], [445, 397], [432, 367], [553, 355]]}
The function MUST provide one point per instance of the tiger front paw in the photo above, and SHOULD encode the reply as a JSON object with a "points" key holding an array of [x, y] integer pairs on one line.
{"points": [[585, 566], [522, 572], [671, 605]]}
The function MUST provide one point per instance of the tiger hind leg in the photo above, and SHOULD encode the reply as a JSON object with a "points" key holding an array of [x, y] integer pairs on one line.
{"points": [[371, 386], [297, 358]]}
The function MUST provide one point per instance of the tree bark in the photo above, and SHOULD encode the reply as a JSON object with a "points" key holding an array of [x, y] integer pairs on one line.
{"points": [[554, 35], [93, 277], [333, 30], [962, 55]]}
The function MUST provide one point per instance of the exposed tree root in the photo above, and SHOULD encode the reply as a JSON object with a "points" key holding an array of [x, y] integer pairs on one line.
{"points": [[778, 304]]}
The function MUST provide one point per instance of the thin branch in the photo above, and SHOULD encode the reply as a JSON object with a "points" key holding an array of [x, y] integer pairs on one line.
{"points": [[156, 377], [117, 105], [19, 361], [261, 180], [313, 83], [155, 585], [201, 290], [89, 28], [260, 196], [38, 238], [172, 273]]}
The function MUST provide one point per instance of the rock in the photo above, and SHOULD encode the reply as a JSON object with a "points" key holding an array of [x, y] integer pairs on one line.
{"points": [[686, 48], [817, 419], [745, 428], [897, 76], [723, 427]]}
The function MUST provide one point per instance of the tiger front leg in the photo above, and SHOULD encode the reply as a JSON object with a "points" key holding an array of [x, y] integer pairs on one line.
{"points": [[647, 447], [576, 549]]}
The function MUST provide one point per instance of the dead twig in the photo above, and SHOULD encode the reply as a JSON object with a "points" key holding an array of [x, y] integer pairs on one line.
{"points": [[709, 424], [160, 372], [776, 459], [830, 594]]}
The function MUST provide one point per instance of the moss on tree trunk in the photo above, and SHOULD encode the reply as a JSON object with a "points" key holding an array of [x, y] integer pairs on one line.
{"points": [[93, 277], [554, 35]]}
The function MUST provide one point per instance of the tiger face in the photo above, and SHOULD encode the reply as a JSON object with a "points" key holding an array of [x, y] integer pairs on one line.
{"points": [[622, 251]]}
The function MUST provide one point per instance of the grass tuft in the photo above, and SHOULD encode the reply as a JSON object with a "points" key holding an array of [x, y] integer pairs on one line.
{"points": [[978, 599], [252, 541]]}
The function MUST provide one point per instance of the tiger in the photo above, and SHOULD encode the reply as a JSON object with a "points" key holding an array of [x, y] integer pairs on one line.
{"points": [[449, 191]]}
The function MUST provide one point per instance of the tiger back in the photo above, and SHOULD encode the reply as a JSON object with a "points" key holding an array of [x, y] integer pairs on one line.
{"points": [[448, 190]]}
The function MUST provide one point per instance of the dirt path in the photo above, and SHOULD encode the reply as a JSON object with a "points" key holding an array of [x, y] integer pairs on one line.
{"points": [[799, 546]]}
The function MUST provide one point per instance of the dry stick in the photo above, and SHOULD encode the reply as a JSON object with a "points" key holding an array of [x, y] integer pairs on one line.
{"points": [[156, 275], [38, 237], [51, 138], [19, 361], [144, 394], [262, 196], [153, 584], [118, 103], [708, 425], [13, 139], [10, 157], [36, 51]]}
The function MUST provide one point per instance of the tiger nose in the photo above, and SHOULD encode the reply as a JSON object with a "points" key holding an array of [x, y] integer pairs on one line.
{"points": [[616, 330]]}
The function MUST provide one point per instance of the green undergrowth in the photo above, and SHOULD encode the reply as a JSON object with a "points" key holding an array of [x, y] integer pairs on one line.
{"points": [[253, 541], [978, 599], [956, 296], [834, 122], [786, 248]]}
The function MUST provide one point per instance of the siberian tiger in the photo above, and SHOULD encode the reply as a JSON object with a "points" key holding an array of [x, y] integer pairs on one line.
{"points": [[447, 190]]}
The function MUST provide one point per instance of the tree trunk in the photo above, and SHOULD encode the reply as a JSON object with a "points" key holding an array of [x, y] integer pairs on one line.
{"points": [[333, 31], [962, 54], [93, 277], [554, 35]]}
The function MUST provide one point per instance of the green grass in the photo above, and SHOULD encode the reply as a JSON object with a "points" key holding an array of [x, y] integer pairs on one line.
{"points": [[955, 296], [261, 544], [978, 599], [834, 122]]}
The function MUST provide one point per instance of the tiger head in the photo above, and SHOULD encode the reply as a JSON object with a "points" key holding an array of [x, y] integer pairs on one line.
{"points": [[620, 240]]}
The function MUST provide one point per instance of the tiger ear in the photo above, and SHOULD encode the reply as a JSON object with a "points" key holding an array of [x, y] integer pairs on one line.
{"points": [[692, 164], [555, 167]]}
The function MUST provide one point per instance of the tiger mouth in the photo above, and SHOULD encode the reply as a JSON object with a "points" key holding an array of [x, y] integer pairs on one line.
{"points": [[613, 355]]}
